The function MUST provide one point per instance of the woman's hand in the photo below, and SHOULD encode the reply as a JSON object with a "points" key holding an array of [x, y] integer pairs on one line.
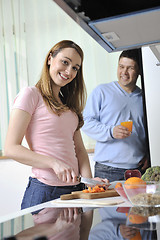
{"points": [[64, 172], [105, 180], [70, 215]]}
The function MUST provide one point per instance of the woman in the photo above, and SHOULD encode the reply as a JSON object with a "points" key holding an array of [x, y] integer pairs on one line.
{"points": [[49, 115]]}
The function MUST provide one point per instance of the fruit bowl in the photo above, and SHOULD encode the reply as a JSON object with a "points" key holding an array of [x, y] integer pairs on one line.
{"points": [[119, 189], [121, 192], [143, 194]]}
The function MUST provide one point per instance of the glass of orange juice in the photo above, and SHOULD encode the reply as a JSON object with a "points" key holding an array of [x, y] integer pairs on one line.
{"points": [[128, 124]]}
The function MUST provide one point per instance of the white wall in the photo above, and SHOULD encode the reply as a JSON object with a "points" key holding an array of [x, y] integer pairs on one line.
{"points": [[13, 181], [152, 92]]}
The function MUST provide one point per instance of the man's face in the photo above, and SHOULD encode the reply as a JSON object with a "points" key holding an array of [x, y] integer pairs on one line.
{"points": [[127, 73]]}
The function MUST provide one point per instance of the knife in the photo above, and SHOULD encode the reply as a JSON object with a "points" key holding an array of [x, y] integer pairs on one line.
{"points": [[91, 181]]}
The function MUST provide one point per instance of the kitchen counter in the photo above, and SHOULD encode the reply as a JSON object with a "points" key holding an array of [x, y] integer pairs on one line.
{"points": [[81, 219]]}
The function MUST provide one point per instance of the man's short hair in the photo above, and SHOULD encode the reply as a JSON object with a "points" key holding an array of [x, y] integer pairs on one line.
{"points": [[133, 54]]}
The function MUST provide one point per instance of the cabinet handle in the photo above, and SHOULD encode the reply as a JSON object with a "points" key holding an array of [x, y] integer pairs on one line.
{"points": [[158, 64]]}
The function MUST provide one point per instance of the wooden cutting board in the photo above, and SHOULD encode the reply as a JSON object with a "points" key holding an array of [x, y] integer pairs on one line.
{"points": [[81, 194]]}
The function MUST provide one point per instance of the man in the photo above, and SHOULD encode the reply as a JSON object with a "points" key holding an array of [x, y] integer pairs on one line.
{"points": [[117, 149]]}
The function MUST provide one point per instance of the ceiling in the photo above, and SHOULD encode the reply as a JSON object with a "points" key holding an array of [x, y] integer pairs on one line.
{"points": [[117, 25]]}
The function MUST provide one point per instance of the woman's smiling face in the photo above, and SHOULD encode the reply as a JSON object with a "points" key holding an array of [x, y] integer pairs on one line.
{"points": [[64, 66]]}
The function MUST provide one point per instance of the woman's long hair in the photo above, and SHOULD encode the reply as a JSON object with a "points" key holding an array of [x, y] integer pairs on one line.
{"points": [[73, 95]]}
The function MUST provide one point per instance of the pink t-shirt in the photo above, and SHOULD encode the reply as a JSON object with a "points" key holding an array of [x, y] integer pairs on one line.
{"points": [[48, 134]]}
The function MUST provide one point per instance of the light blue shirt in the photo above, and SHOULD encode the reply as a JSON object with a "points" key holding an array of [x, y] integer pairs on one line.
{"points": [[107, 106], [108, 228]]}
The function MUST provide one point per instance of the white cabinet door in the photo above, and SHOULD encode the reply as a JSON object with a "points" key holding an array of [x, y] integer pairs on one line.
{"points": [[152, 92]]}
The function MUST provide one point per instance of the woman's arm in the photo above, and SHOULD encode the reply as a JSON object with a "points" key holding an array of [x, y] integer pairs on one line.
{"points": [[82, 156], [18, 124]]}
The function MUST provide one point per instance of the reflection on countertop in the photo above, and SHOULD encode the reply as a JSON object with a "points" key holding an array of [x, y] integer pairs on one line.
{"points": [[73, 223]]}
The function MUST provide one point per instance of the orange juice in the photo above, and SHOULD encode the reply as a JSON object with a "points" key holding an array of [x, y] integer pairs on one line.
{"points": [[128, 124]]}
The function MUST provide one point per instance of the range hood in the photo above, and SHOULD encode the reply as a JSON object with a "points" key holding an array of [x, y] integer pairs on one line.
{"points": [[117, 25]]}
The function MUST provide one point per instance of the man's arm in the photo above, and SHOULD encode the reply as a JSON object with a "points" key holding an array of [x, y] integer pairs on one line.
{"points": [[93, 126], [94, 123]]}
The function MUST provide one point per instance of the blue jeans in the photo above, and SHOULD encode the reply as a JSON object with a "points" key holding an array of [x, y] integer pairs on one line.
{"points": [[111, 173], [38, 192]]}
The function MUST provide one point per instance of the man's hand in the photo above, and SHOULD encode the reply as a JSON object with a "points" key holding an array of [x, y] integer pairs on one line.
{"points": [[144, 163], [128, 232], [120, 132]]}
